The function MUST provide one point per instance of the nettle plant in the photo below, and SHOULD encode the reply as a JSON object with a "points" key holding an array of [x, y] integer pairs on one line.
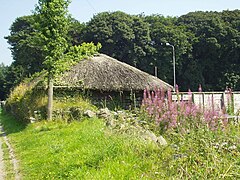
{"points": [[182, 115]]}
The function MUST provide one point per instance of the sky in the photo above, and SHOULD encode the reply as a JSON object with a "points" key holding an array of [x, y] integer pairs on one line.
{"points": [[83, 10]]}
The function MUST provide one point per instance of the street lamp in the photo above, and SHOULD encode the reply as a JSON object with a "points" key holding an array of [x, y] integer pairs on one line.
{"points": [[174, 64]]}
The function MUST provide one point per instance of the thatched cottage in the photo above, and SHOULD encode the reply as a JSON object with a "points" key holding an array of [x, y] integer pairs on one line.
{"points": [[107, 78]]}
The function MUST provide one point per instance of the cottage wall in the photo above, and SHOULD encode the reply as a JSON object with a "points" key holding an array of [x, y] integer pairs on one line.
{"points": [[123, 99], [110, 99]]}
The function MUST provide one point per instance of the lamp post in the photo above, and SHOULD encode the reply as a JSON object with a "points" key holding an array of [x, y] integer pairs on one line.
{"points": [[174, 68]]}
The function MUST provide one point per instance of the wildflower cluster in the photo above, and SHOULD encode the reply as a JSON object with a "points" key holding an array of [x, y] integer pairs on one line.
{"points": [[180, 113]]}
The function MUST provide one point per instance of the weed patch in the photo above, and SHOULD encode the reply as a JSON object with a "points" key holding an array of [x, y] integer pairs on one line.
{"points": [[89, 150]]}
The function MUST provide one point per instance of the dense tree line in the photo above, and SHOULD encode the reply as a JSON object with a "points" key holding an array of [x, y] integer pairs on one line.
{"points": [[207, 46]]}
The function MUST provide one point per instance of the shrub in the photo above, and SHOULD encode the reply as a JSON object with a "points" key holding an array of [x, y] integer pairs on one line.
{"points": [[26, 101]]}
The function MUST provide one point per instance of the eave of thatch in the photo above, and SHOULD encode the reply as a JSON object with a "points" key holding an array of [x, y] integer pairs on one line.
{"points": [[104, 73]]}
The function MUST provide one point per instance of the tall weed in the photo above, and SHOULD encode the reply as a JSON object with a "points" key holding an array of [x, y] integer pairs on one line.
{"points": [[179, 114]]}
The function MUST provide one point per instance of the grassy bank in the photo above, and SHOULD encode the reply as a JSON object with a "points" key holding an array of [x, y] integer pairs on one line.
{"points": [[89, 150]]}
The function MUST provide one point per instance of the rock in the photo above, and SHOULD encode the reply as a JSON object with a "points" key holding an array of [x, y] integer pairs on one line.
{"points": [[161, 141], [3, 103], [148, 135], [108, 116], [32, 119], [104, 113], [89, 113]]}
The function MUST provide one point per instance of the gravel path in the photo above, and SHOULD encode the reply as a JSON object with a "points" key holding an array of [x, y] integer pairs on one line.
{"points": [[2, 173], [13, 160]]}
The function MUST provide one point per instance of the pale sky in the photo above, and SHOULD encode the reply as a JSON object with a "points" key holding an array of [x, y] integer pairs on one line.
{"points": [[83, 10]]}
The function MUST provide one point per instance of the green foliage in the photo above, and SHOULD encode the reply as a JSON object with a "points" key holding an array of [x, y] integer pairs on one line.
{"points": [[25, 100], [52, 28], [164, 30], [216, 49], [75, 32], [122, 36], [69, 107], [13, 76], [26, 46], [27, 52], [3, 70], [89, 150], [206, 43], [74, 55]]}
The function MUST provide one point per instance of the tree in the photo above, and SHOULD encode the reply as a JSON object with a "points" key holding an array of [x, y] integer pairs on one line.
{"points": [[122, 36], [216, 49], [207, 44], [3, 70], [26, 51], [25, 47], [13, 75], [75, 32], [137, 40], [52, 24], [162, 30]]}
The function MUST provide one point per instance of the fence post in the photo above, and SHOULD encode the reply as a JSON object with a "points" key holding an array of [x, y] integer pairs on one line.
{"points": [[203, 100]]}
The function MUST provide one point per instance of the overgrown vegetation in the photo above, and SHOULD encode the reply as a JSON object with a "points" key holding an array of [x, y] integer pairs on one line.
{"points": [[75, 146], [200, 145], [24, 100], [30, 96], [89, 150], [166, 113]]}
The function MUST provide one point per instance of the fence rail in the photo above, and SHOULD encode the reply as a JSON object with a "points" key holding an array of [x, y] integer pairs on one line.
{"points": [[224, 101]]}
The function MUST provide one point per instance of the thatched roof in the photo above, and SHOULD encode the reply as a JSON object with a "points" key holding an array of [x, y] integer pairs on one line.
{"points": [[104, 73]]}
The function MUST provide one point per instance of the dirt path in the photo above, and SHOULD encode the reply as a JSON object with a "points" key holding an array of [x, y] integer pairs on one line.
{"points": [[2, 173], [13, 160]]}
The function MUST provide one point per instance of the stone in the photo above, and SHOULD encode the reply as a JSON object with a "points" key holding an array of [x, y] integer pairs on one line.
{"points": [[3, 103], [104, 113], [89, 114], [108, 116], [32, 119], [149, 135]]}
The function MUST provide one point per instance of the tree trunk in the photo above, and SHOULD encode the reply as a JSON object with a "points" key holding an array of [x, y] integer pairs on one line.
{"points": [[50, 98]]}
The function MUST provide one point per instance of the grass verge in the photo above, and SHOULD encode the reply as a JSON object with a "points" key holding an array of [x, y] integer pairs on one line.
{"points": [[8, 167], [88, 150]]}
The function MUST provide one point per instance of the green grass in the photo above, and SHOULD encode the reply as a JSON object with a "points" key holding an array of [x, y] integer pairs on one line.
{"points": [[75, 101], [8, 167], [79, 150], [88, 150], [12, 127]]}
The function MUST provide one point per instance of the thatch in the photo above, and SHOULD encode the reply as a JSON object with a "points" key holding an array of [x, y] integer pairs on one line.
{"points": [[104, 73]]}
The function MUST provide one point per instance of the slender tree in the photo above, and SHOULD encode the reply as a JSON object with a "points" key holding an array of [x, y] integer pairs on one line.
{"points": [[52, 25]]}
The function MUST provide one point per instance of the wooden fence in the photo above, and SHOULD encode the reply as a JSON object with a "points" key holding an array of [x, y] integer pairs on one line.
{"points": [[218, 100]]}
